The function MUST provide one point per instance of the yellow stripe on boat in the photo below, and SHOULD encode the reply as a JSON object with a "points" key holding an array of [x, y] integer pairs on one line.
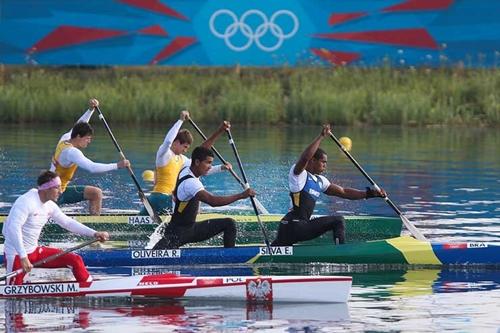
{"points": [[415, 251], [253, 259]]}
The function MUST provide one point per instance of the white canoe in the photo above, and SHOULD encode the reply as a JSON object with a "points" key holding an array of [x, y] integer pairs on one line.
{"points": [[321, 289]]}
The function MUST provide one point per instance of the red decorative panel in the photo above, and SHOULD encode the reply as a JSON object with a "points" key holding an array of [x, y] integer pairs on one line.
{"points": [[337, 57], [411, 5], [402, 37], [175, 46], [344, 17], [70, 35], [156, 30], [155, 6]]}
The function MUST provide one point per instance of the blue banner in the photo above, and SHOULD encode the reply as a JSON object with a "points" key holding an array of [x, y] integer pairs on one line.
{"points": [[250, 33]]}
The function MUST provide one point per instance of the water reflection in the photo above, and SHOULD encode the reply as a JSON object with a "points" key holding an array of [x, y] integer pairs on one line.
{"points": [[383, 297], [60, 314]]}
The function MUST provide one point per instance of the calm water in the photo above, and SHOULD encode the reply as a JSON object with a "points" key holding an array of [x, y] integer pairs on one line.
{"points": [[445, 180]]}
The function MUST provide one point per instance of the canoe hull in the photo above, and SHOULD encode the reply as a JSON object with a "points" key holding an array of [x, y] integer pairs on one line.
{"points": [[317, 289], [399, 250], [138, 228]]}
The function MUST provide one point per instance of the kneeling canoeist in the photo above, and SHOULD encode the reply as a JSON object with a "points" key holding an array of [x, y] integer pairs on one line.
{"points": [[68, 157], [188, 193], [22, 228], [306, 184], [170, 160]]}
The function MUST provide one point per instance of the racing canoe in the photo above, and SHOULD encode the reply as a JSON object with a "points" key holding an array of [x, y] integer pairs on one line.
{"points": [[316, 289], [138, 228], [398, 250]]}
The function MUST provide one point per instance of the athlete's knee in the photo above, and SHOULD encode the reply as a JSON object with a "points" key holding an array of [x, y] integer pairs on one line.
{"points": [[74, 260], [230, 225], [229, 232], [93, 193], [76, 264]]}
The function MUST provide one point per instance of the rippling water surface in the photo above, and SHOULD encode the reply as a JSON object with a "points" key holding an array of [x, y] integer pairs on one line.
{"points": [[445, 180]]}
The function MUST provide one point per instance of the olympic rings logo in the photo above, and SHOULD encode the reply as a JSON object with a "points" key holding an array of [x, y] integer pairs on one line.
{"points": [[253, 35]]}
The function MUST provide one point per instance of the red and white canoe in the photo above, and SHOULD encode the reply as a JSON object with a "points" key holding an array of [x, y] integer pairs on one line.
{"points": [[329, 289]]}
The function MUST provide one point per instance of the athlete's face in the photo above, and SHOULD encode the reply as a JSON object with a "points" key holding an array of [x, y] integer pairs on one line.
{"points": [[205, 165], [180, 148], [318, 166], [53, 193], [83, 141]]}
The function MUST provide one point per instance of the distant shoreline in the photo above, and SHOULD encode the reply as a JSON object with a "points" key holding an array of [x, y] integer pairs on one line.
{"points": [[303, 95]]}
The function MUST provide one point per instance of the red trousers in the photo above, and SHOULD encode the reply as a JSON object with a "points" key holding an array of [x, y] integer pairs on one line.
{"points": [[69, 260]]}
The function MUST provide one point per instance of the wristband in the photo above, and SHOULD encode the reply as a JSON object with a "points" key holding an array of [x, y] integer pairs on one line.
{"points": [[370, 193]]}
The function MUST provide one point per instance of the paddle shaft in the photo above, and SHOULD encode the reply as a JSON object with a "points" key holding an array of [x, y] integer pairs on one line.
{"points": [[261, 208], [414, 231], [142, 196], [245, 179], [48, 259]]}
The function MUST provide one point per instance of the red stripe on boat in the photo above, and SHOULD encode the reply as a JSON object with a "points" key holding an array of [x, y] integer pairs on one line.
{"points": [[451, 246], [209, 282], [167, 278]]}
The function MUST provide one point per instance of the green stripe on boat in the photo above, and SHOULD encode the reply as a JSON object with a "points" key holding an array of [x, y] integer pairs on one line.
{"points": [[138, 228]]}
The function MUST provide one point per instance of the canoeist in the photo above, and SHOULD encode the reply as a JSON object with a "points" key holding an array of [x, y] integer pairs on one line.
{"points": [[68, 157], [169, 162], [188, 193], [306, 184], [22, 228]]}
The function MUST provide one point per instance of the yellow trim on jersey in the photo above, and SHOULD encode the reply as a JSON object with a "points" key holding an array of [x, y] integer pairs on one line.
{"points": [[182, 206], [66, 174], [296, 199], [166, 176]]}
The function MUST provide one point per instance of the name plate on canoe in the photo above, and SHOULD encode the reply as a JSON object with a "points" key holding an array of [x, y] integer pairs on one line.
{"points": [[137, 243], [276, 251], [146, 254], [140, 220], [40, 289]]}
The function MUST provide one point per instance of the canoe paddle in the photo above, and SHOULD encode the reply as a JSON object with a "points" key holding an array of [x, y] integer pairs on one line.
{"points": [[252, 199], [142, 196], [260, 207], [50, 258], [411, 228]]}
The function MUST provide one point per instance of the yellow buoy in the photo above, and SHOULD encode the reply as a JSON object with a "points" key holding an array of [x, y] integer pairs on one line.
{"points": [[346, 142], [148, 176]]}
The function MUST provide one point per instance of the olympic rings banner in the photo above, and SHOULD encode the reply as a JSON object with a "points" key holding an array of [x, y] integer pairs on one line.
{"points": [[250, 33]]}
